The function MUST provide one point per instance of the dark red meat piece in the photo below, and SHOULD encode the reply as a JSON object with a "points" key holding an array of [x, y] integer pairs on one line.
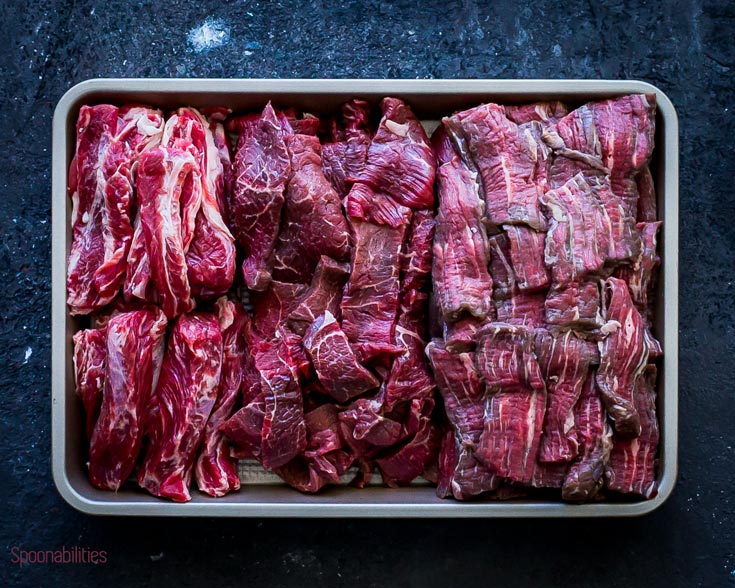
{"points": [[272, 308], [313, 224], [184, 398], [546, 112], [464, 402], [574, 305], [417, 254], [641, 274], [261, 170], [245, 426], [215, 470], [90, 351], [647, 206], [623, 356], [586, 473], [527, 257], [505, 157], [334, 361], [632, 467], [523, 308], [506, 360], [133, 359]]}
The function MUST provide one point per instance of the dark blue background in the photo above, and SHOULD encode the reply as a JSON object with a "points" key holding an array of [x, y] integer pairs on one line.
{"points": [[685, 47]]}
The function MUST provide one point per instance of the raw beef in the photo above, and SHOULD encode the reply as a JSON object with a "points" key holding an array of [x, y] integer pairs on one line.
{"points": [[215, 470], [623, 356], [505, 157], [133, 359], [574, 306], [90, 351], [527, 257], [261, 170], [96, 128], [463, 394], [183, 402], [417, 254], [245, 426], [211, 255], [546, 112], [647, 207], [523, 308], [506, 360], [510, 439], [334, 361], [272, 308], [138, 284], [324, 293], [461, 279], [169, 196], [223, 183], [632, 466], [565, 361], [345, 158], [641, 275], [370, 301], [459, 336], [138, 130], [283, 435], [409, 376], [313, 224], [586, 473]]}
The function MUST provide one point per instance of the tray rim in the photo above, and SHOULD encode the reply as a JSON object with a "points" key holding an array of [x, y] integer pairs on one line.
{"points": [[304, 506]]}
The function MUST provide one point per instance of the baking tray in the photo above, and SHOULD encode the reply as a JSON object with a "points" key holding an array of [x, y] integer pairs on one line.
{"points": [[430, 99]]}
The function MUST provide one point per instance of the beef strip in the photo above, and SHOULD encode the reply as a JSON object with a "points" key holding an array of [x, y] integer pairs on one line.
{"points": [[169, 195], [527, 257], [461, 279], [370, 302], [523, 308], [463, 393], [261, 170], [313, 224], [90, 352], [647, 207], [96, 127], [586, 472], [565, 361], [546, 112], [334, 361], [641, 275], [210, 258], [272, 308], [623, 357], [324, 293], [506, 360], [574, 306], [447, 463], [417, 253], [215, 470], [459, 336], [505, 157], [244, 427], [632, 467], [134, 349], [283, 435]]}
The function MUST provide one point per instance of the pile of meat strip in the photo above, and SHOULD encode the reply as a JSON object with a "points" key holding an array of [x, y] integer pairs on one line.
{"points": [[544, 265], [264, 286]]}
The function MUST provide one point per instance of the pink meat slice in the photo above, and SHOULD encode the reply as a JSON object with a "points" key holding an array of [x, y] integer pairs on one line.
{"points": [[565, 360], [96, 128], [210, 258], [215, 470], [184, 399], [138, 130], [134, 353], [371, 297], [523, 308], [623, 357], [544, 112], [506, 360], [243, 428], [461, 253], [574, 305], [138, 283], [90, 352], [324, 293], [632, 467], [261, 171], [417, 254], [647, 206], [169, 196], [527, 257], [313, 224], [505, 157], [283, 435], [463, 392], [586, 473], [641, 274], [334, 361], [272, 308]]}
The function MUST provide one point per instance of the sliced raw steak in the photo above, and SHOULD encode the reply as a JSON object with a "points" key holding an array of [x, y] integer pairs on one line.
{"points": [[416, 256], [623, 356], [641, 275], [506, 360], [133, 360], [261, 170], [90, 352], [544, 112], [272, 308], [345, 158], [215, 470], [334, 361], [463, 394], [586, 473], [505, 157], [527, 257], [324, 293], [313, 224], [647, 206]]}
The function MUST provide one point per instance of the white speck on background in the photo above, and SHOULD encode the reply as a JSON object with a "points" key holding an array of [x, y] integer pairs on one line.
{"points": [[214, 32], [556, 50], [29, 352]]}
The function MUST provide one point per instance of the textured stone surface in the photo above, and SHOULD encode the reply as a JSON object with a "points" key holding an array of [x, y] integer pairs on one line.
{"points": [[685, 47]]}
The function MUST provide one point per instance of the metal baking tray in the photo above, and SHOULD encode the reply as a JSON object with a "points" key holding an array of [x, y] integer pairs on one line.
{"points": [[430, 99]]}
